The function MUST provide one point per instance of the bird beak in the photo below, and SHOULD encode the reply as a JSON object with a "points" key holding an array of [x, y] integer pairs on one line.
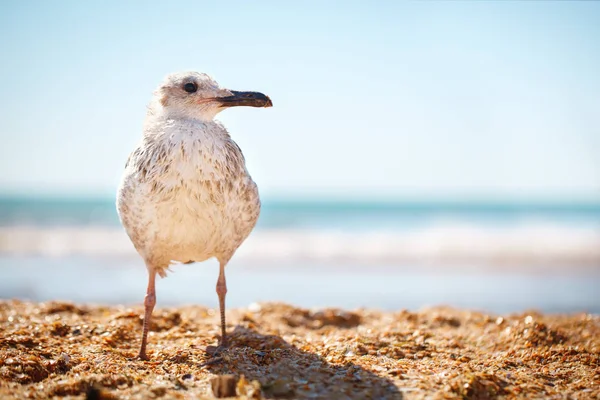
{"points": [[248, 99]]}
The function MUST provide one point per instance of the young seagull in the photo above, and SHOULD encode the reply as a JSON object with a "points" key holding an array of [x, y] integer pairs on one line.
{"points": [[186, 195]]}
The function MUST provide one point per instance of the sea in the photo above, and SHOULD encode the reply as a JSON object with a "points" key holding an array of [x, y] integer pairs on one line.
{"points": [[497, 257]]}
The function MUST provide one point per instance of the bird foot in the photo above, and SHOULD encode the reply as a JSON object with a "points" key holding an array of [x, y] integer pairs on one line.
{"points": [[216, 350], [143, 356]]}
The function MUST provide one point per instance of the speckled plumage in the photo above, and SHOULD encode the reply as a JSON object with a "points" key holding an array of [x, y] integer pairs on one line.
{"points": [[186, 194]]}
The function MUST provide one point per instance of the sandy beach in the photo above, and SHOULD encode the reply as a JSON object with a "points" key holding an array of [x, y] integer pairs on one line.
{"points": [[61, 350]]}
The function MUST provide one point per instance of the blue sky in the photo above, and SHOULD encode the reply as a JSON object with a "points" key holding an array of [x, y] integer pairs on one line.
{"points": [[372, 99]]}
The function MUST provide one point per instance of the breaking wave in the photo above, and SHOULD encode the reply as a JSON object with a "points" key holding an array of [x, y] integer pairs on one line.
{"points": [[441, 243]]}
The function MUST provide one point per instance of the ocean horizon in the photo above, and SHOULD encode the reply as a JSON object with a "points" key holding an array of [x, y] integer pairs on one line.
{"points": [[56, 209]]}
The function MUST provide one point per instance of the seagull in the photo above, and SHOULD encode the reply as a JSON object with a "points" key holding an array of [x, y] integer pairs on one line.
{"points": [[186, 195]]}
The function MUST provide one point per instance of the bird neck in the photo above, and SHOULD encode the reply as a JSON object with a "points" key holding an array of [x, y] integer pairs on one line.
{"points": [[203, 113], [169, 127]]}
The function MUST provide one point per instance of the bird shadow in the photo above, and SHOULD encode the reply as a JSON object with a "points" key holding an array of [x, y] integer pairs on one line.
{"points": [[284, 371]]}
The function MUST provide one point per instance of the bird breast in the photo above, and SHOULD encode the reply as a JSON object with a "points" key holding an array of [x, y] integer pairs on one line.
{"points": [[186, 194]]}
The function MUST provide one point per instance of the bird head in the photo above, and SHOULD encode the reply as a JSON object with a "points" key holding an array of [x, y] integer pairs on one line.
{"points": [[197, 95]]}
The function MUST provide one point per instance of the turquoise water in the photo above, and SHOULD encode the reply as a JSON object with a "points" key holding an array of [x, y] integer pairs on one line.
{"points": [[315, 214], [495, 256]]}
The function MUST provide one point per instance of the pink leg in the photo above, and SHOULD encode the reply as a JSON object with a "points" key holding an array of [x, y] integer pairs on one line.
{"points": [[149, 303], [222, 291]]}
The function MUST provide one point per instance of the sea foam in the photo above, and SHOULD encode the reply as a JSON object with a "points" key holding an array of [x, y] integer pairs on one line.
{"points": [[437, 243]]}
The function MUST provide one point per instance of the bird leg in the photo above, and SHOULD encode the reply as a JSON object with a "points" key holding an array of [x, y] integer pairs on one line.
{"points": [[222, 291], [149, 302]]}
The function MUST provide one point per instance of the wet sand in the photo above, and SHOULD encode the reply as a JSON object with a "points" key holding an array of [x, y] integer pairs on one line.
{"points": [[62, 350], [483, 287]]}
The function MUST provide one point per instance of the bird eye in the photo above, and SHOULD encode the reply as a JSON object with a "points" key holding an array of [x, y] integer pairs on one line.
{"points": [[190, 87]]}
